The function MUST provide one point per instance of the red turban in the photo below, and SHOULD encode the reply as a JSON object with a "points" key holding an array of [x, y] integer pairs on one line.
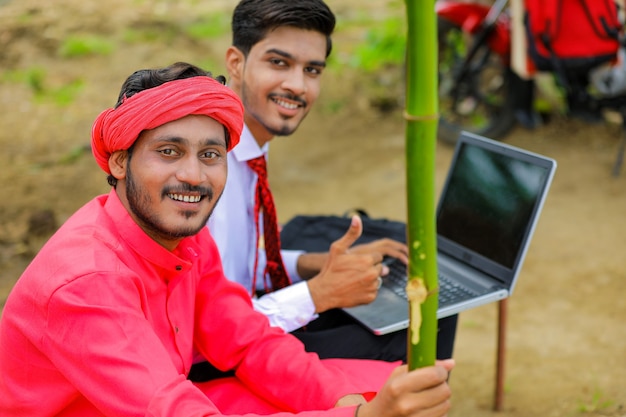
{"points": [[117, 129]]}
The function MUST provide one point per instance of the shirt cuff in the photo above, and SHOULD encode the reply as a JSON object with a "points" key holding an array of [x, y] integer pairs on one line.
{"points": [[288, 308], [290, 260]]}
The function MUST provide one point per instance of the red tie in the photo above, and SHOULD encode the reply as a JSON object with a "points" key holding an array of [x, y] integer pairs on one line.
{"points": [[263, 200]]}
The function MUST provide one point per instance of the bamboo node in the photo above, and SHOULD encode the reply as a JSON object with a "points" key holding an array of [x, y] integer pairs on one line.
{"points": [[426, 117]]}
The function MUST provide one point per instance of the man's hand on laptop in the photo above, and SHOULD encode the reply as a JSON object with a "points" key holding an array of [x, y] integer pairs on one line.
{"points": [[348, 278], [387, 247]]}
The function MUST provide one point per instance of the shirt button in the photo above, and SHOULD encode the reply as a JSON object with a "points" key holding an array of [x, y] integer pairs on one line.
{"points": [[179, 268]]}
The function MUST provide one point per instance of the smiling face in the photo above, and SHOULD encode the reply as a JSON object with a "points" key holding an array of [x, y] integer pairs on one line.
{"points": [[173, 177], [279, 80]]}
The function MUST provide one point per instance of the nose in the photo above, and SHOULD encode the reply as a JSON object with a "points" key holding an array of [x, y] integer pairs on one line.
{"points": [[191, 171], [295, 81]]}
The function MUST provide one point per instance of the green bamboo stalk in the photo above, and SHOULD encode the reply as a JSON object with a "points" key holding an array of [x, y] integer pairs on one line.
{"points": [[421, 137]]}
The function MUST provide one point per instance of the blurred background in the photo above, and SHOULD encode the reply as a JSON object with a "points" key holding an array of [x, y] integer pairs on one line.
{"points": [[61, 64]]}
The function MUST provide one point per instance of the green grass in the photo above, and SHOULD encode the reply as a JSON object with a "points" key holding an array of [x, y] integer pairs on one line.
{"points": [[209, 27], [63, 95], [384, 45], [145, 35], [86, 45], [35, 79], [596, 403]]}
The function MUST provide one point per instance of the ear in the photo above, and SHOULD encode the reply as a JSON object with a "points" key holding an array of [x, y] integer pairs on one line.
{"points": [[117, 164], [235, 61]]}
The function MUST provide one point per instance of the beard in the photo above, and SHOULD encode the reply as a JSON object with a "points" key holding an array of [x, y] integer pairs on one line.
{"points": [[284, 130], [288, 125], [142, 206]]}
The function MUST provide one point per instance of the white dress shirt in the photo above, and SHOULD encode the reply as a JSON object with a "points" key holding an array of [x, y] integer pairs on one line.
{"points": [[232, 225]]}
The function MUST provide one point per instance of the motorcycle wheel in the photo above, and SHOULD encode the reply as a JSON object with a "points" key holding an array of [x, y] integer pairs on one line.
{"points": [[482, 102]]}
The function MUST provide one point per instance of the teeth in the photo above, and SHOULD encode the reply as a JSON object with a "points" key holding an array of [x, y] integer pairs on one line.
{"points": [[185, 198], [287, 105]]}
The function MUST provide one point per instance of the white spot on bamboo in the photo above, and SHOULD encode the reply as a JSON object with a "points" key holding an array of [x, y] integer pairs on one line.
{"points": [[416, 293]]}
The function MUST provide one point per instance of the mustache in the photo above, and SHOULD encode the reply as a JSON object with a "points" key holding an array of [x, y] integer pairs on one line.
{"points": [[187, 188], [290, 97]]}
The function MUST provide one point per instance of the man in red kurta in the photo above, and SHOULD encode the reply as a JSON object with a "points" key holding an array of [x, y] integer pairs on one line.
{"points": [[109, 316]]}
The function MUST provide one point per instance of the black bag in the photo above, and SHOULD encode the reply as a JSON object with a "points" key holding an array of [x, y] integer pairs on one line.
{"points": [[316, 233]]}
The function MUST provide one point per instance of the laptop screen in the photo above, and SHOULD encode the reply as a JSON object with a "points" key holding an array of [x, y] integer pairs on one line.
{"points": [[489, 203]]}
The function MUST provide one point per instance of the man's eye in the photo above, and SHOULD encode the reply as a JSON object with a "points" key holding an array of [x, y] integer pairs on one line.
{"points": [[277, 62], [168, 152], [314, 70], [210, 155]]}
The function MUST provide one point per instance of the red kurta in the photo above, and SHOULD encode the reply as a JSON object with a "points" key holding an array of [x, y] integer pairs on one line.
{"points": [[105, 321]]}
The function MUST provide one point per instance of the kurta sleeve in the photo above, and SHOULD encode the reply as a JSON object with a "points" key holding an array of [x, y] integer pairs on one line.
{"points": [[290, 260], [271, 363], [99, 339]]}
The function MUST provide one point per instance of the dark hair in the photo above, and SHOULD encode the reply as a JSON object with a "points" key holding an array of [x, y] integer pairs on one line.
{"points": [[253, 19], [149, 78]]}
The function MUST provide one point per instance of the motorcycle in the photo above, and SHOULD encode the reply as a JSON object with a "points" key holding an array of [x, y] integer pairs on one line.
{"points": [[481, 93]]}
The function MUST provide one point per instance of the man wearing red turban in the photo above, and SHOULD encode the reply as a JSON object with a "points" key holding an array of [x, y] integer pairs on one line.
{"points": [[111, 313], [118, 128]]}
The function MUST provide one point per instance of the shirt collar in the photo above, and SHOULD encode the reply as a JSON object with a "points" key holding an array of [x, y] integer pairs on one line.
{"points": [[248, 148], [147, 248]]}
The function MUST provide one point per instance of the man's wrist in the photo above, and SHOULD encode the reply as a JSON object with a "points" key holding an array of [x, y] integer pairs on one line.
{"points": [[350, 399], [310, 264], [317, 296]]}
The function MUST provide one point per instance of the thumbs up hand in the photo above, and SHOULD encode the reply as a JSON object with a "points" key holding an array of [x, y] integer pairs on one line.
{"points": [[348, 278]]}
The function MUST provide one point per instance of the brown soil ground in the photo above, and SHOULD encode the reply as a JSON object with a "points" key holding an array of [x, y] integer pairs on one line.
{"points": [[566, 340]]}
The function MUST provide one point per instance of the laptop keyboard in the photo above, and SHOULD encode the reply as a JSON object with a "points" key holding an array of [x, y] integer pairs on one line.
{"points": [[449, 292]]}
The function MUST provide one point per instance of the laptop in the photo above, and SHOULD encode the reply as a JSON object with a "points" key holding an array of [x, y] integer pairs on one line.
{"points": [[487, 212]]}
